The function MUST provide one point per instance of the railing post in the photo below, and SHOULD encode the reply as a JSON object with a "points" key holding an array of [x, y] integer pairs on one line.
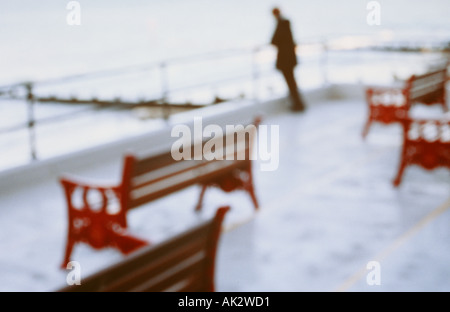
{"points": [[324, 63], [255, 73], [31, 120], [164, 90]]}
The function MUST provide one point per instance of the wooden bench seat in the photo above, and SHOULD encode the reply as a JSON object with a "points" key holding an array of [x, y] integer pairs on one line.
{"points": [[184, 263], [148, 178]]}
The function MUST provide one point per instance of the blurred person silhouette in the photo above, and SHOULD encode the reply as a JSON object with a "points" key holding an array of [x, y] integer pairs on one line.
{"points": [[286, 58]]}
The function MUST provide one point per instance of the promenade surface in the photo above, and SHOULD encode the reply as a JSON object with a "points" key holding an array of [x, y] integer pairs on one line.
{"points": [[327, 211]]}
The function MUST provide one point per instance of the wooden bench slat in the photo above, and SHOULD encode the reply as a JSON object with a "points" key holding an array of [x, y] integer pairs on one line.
{"points": [[195, 236], [162, 260], [153, 163], [426, 85], [190, 267], [138, 198], [194, 283], [198, 166], [158, 270], [148, 164], [165, 172]]}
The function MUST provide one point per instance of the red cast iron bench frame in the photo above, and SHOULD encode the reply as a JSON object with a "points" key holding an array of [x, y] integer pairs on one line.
{"points": [[148, 178], [390, 105], [427, 149], [183, 263]]}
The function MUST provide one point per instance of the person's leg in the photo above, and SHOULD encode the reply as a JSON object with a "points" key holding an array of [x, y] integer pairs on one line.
{"points": [[297, 101]]}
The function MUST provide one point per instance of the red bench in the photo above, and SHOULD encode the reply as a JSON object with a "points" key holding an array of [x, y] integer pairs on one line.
{"points": [[148, 178], [426, 143], [390, 105], [184, 263]]}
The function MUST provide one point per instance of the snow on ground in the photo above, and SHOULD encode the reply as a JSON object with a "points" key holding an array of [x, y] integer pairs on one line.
{"points": [[327, 211]]}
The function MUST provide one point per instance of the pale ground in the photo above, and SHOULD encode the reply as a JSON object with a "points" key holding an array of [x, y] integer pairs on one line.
{"points": [[328, 210]]}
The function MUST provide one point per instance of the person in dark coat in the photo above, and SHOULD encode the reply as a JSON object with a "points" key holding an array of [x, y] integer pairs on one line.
{"points": [[286, 58]]}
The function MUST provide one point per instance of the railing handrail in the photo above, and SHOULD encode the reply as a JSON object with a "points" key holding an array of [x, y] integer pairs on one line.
{"points": [[255, 72], [324, 42], [137, 67]]}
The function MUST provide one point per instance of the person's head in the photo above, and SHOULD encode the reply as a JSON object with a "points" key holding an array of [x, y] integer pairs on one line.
{"points": [[276, 12]]}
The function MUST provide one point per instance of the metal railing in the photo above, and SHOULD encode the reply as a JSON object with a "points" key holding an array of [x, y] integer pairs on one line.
{"points": [[26, 91]]}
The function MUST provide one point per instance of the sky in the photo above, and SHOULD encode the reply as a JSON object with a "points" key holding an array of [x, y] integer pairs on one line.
{"points": [[38, 42]]}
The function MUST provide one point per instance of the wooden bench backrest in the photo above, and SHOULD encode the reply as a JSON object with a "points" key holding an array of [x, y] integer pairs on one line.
{"points": [[427, 87], [184, 263], [147, 179]]}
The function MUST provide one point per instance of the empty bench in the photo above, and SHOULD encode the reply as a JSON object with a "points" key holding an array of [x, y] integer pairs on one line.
{"points": [[148, 178], [390, 105], [184, 263], [426, 143]]}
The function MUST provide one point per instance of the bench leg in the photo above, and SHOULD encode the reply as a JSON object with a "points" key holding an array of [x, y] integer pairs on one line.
{"points": [[366, 128], [251, 190], [200, 200], [401, 169], [254, 199], [69, 248], [251, 187]]}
